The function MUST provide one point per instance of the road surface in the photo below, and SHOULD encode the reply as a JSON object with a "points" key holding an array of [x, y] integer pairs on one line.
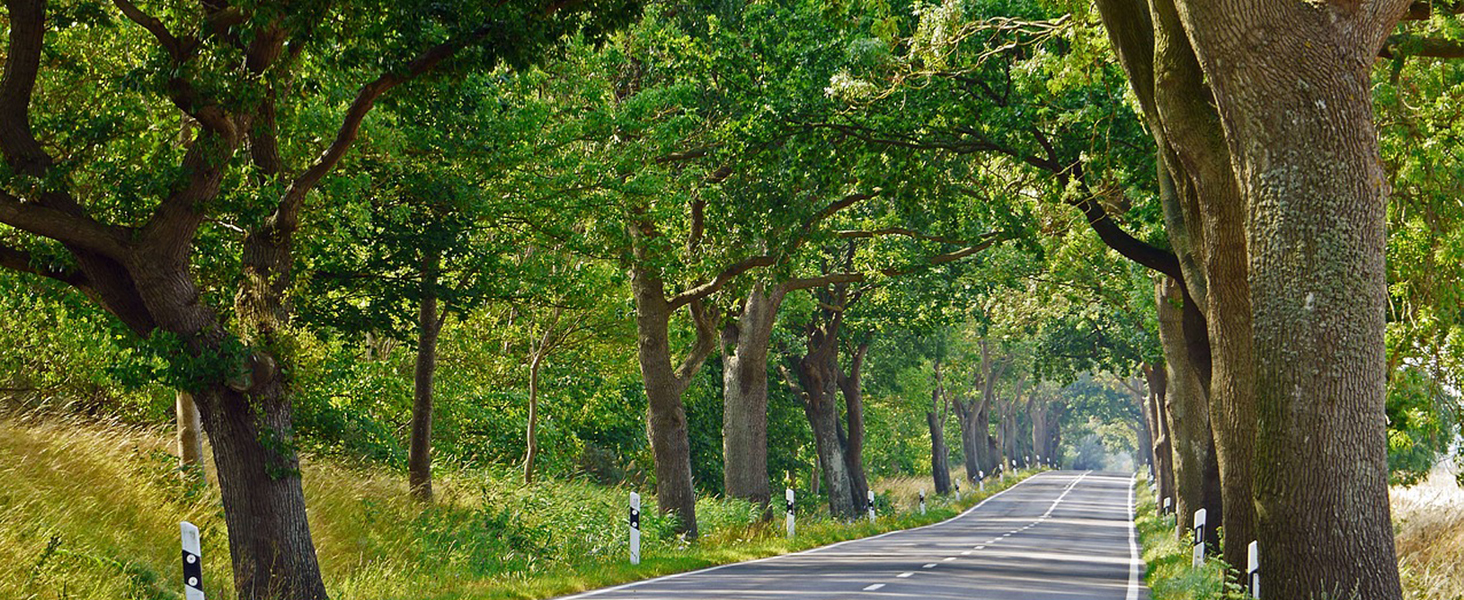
{"points": [[1058, 535]]}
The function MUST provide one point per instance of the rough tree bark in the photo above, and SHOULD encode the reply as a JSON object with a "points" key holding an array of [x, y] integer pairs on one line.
{"points": [[1291, 82], [1196, 472], [745, 345], [1205, 214], [664, 385], [815, 385], [429, 326]]}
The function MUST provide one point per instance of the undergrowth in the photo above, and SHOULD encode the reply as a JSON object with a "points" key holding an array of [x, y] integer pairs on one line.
{"points": [[1169, 558], [92, 512]]}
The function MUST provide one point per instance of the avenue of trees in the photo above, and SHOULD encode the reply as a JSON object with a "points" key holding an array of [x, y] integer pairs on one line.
{"points": [[720, 248]]}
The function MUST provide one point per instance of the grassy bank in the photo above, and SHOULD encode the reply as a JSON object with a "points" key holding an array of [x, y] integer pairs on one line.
{"points": [[1428, 520], [1169, 558], [91, 512]]}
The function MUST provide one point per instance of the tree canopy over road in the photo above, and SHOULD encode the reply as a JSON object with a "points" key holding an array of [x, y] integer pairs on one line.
{"points": [[715, 249]]}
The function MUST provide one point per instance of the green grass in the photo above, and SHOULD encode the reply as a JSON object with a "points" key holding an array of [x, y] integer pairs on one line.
{"points": [[1169, 558], [91, 512]]}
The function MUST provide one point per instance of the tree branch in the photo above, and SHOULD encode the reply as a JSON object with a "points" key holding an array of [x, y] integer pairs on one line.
{"points": [[1407, 44], [22, 63], [175, 48], [287, 214], [63, 226], [720, 280], [18, 260]]}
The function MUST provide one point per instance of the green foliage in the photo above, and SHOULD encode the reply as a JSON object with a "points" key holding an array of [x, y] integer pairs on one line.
{"points": [[60, 352]]}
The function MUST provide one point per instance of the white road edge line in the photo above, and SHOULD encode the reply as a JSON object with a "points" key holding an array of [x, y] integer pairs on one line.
{"points": [[1133, 585], [968, 511]]}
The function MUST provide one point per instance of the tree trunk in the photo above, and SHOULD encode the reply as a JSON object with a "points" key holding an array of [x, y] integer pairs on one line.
{"points": [[1206, 221], [1146, 434], [1195, 468], [664, 385], [745, 397], [940, 468], [815, 384], [259, 481], [1294, 95], [531, 434], [1158, 378], [823, 417], [849, 387], [419, 453], [190, 436]]}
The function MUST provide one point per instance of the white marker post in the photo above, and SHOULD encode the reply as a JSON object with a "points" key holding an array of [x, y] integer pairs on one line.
{"points": [[635, 507], [958, 490], [871, 506], [981, 480], [192, 562], [1166, 505], [1199, 537], [1039, 460], [1253, 569], [788, 495], [922, 501]]}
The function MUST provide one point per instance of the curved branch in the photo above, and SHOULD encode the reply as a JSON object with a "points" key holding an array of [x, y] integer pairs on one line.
{"points": [[169, 42], [19, 260]]}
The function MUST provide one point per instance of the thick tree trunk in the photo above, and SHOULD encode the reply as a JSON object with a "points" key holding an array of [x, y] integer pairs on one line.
{"points": [[816, 385], [259, 481], [823, 417], [666, 414], [1206, 221], [1194, 456], [190, 436], [419, 452], [745, 396], [1292, 85]]}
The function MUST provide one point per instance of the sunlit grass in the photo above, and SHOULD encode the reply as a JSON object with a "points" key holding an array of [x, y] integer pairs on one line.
{"points": [[1169, 559], [91, 511], [1429, 520]]}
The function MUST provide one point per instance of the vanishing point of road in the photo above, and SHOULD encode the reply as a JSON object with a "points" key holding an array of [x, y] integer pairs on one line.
{"points": [[1061, 535]]}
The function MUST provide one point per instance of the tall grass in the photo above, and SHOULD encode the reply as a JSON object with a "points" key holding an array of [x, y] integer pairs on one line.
{"points": [[91, 511], [1429, 522]]}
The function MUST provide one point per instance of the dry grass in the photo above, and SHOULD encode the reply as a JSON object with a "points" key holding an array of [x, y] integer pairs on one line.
{"points": [[90, 511], [1429, 521]]}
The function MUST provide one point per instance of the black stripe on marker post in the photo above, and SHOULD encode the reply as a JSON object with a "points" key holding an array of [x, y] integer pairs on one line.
{"points": [[192, 571]]}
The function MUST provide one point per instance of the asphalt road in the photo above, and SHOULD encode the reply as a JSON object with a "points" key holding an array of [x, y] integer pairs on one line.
{"points": [[1058, 535]]}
